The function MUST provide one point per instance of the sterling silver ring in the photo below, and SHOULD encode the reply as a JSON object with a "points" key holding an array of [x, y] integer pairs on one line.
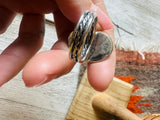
{"points": [[87, 45]]}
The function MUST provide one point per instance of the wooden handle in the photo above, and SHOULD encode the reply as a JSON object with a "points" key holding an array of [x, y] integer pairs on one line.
{"points": [[111, 106]]}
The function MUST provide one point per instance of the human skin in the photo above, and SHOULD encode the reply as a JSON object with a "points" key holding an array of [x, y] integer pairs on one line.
{"points": [[51, 64]]}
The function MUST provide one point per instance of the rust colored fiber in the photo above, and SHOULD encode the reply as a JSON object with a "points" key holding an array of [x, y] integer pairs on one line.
{"points": [[133, 104]]}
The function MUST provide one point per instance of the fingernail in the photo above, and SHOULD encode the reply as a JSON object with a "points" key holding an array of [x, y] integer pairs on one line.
{"points": [[60, 45], [42, 82], [45, 80], [103, 18]]}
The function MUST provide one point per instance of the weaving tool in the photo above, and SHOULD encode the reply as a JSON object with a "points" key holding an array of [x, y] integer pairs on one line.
{"points": [[89, 104]]}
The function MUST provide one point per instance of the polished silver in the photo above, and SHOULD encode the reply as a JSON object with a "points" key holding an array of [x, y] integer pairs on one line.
{"points": [[87, 45], [101, 47]]}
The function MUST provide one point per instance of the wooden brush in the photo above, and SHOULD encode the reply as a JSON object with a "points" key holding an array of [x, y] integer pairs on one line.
{"points": [[111, 104]]}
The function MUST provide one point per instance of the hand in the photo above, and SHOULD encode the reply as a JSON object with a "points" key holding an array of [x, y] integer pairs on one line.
{"points": [[53, 63]]}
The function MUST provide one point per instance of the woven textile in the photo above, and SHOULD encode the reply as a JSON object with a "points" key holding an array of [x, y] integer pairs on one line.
{"points": [[143, 71]]}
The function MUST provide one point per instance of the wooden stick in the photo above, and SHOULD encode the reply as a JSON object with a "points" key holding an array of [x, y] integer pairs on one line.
{"points": [[111, 105], [81, 107]]}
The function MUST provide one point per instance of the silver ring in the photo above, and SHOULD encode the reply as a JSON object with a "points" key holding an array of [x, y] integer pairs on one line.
{"points": [[87, 45]]}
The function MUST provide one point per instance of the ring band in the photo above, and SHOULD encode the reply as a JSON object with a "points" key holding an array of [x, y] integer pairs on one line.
{"points": [[87, 45]]}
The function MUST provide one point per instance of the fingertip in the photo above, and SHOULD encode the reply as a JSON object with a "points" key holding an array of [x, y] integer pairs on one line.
{"points": [[33, 72], [99, 76], [46, 66]]}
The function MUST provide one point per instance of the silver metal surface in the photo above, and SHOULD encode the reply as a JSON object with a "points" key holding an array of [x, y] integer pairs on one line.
{"points": [[101, 47], [87, 45]]}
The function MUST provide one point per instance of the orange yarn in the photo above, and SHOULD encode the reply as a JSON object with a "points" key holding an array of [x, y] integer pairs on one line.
{"points": [[133, 103], [127, 79]]}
